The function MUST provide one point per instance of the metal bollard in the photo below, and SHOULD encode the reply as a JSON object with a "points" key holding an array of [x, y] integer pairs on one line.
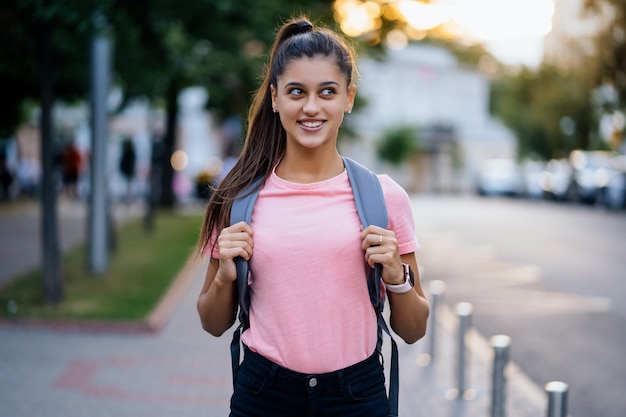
{"points": [[557, 398], [501, 345], [464, 313], [436, 290]]}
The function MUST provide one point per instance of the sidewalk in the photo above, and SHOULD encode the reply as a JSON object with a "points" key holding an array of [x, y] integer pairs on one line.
{"points": [[182, 371]]}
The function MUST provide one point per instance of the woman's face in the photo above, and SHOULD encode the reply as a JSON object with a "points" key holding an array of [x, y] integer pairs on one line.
{"points": [[311, 97]]}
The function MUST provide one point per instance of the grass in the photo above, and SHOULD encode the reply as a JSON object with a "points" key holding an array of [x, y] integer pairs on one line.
{"points": [[139, 272]]}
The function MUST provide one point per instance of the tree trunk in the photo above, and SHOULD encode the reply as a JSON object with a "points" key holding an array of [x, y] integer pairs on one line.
{"points": [[168, 198], [51, 266]]}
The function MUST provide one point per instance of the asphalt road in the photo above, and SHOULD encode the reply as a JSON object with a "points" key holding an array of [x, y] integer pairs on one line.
{"points": [[549, 275]]}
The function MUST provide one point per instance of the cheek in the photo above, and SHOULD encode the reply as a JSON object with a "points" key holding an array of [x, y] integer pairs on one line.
{"points": [[289, 109]]}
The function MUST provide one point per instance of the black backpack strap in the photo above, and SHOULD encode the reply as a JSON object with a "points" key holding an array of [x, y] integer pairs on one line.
{"points": [[242, 211], [370, 204]]}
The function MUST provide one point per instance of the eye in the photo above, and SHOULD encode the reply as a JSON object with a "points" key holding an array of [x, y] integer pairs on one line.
{"points": [[327, 92], [295, 91]]}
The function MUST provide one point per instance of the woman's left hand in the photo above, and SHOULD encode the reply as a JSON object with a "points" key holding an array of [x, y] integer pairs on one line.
{"points": [[381, 247]]}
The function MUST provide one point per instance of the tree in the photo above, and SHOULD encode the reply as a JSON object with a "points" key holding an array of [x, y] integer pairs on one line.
{"points": [[534, 104], [610, 42], [162, 47], [20, 47], [43, 52], [610, 67], [168, 45], [398, 144]]}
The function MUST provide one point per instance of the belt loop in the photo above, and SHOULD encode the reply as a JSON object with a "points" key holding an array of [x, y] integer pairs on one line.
{"points": [[272, 374], [341, 382]]}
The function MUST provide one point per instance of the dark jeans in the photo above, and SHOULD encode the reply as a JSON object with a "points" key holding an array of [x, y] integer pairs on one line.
{"points": [[265, 389]]}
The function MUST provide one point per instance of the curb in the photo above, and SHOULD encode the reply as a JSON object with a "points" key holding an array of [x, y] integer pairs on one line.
{"points": [[175, 293]]}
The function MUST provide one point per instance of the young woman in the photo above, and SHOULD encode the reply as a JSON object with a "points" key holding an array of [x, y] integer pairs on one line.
{"points": [[311, 344]]}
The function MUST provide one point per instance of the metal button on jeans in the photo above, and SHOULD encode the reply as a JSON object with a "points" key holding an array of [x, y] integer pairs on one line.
{"points": [[312, 382]]}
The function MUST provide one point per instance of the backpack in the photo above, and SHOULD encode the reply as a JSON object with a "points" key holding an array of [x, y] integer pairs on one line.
{"points": [[372, 210]]}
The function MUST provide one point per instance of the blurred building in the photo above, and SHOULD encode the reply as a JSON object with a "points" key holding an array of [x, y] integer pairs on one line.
{"points": [[424, 86]]}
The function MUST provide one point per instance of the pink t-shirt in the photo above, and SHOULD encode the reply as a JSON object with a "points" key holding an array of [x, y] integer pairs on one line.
{"points": [[310, 309]]}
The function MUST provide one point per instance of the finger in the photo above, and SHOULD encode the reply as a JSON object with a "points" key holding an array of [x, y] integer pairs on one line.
{"points": [[235, 237], [239, 227], [230, 254], [371, 230], [371, 240], [230, 250]]}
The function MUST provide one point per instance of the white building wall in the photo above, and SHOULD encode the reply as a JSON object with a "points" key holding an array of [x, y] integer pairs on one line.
{"points": [[424, 85]]}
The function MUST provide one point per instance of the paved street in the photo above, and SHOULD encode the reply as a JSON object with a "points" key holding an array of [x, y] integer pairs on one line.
{"points": [[179, 370], [547, 274]]}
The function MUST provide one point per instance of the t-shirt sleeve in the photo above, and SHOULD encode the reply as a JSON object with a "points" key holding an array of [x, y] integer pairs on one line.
{"points": [[400, 214]]}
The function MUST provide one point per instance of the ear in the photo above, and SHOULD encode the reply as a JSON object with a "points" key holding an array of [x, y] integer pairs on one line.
{"points": [[351, 96], [273, 94]]}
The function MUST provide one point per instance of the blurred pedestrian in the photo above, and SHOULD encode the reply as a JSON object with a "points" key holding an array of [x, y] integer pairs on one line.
{"points": [[70, 166], [311, 322], [6, 178], [28, 175], [128, 162]]}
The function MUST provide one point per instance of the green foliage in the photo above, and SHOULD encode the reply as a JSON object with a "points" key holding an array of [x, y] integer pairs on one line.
{"points": [[610, 42], [216, 43], [139, 273], [397, 144], [23, 23], [221, 45], [533, 103]]}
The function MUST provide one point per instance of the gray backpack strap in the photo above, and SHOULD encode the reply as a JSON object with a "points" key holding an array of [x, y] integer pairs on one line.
{"points": [[372, 209], [368, 194], [370, 204], [242, 211]]}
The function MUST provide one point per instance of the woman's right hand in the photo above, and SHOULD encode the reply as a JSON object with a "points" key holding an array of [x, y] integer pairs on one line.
{"points": [[233, 241]]}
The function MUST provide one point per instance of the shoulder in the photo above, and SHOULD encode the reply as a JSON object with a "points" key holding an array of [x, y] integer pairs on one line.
{"points": [[394, 193], [400, 214]]}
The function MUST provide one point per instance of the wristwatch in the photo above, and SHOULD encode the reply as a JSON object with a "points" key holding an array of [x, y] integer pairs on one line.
{"points": [[407, 286]]}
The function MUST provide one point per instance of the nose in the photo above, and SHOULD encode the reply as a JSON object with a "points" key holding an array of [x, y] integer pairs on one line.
{"points": [[311, 105]]}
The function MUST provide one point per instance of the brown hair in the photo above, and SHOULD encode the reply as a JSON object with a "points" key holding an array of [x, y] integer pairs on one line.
{"points": [[266, 139]]}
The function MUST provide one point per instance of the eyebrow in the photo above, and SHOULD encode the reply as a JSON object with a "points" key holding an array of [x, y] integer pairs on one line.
{"points": [[322, 84]]}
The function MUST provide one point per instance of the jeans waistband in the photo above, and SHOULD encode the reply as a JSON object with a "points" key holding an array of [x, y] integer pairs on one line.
{"points": [[329, 380]]}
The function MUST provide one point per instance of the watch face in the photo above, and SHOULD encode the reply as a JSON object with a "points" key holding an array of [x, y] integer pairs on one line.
{"points": [[411, 275]]}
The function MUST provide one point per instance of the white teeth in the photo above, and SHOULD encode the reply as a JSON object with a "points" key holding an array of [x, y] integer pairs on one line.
{"points": [[311, 124]]}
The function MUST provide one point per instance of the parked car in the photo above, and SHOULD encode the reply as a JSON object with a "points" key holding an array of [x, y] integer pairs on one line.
{"points": [[556, 179], [534, 179], [499, 176], [614, 193], [590, 175]]}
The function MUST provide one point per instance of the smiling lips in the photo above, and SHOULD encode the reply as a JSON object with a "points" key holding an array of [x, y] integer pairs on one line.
{"points": [[312, 125]]}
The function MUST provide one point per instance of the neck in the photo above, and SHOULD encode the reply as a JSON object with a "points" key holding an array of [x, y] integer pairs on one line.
{"points": [[309, 167]]}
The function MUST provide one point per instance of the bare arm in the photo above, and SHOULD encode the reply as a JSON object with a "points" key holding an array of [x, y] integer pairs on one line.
{"points": [[217, 303], [409, 311]]}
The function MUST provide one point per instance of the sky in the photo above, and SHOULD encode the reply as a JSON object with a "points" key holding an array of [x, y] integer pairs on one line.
{"points": [[513, 30]]}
